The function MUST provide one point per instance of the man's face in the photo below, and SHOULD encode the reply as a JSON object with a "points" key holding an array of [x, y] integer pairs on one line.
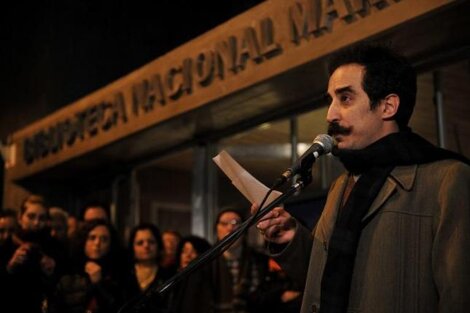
{"points": [[359, 125], [95, 213]]}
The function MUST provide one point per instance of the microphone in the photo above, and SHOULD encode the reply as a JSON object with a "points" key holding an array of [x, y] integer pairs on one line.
{"points": [[322, 144]]}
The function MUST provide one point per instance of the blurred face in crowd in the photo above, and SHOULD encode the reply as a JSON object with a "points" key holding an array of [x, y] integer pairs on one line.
{"points": [[58, 225], [7, 228], [98, 243], [188, 253], [34, 217], [145, 246], [72, 226], [95, 213], [170, 242], [228, 222]]}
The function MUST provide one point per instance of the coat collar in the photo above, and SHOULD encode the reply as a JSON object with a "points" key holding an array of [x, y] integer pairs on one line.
{"points": [[401, 176]]}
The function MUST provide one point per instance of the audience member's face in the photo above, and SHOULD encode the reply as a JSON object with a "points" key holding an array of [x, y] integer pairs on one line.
{"points": [[7, 228], [34, 217], [170, 242], [58, 227], [350, 109], [188, 253], [98, 243], [72, 226], [95, 213], [145, 246], [228, 222]]}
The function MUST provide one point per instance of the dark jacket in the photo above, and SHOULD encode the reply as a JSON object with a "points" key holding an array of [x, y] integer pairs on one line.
{"points": [[194, 294], [25, 287], [244, 297], [75, 293]]}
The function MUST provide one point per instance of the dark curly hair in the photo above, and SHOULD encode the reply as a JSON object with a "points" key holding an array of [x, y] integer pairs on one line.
{"points": [[109, 260], [200, 244], [386, 72], [156, 233]]}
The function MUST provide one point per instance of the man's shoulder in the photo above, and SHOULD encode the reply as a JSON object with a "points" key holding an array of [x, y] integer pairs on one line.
{"points": [[446, 167], [438, 173]]}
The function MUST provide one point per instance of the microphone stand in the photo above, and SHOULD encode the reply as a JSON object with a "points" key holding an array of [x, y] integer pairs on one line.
{"points": [[139, 302]]}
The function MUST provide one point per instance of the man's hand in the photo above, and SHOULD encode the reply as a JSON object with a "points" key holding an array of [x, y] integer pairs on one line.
{"points": [[277, 226]]}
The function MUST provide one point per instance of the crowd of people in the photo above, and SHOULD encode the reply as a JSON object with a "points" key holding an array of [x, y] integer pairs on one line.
{"points": [[393, 235], [53, 262]]}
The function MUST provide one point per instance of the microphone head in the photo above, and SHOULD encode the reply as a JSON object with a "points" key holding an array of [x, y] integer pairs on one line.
{"points": [[326, 141]]}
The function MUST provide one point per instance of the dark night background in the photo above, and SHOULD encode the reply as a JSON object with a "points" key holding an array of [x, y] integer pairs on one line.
{"points": [[53, 53]]}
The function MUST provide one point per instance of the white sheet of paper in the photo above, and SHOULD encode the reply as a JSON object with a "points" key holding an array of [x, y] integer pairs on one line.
{"points": [[249, 186]]}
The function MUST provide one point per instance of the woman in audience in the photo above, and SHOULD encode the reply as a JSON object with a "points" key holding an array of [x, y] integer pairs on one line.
{"points": [[190, 248], [32, 263], [146, 249], [194, 294], [93, 285]]}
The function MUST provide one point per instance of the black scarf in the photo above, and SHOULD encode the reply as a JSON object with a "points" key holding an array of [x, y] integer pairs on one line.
{"points": [[374, 164]]}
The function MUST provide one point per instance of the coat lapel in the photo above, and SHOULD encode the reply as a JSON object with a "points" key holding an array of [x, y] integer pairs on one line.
{"points": [[326, 224], [404, 176]]}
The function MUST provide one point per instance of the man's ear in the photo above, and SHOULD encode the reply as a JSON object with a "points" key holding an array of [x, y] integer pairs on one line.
{"points": [[391, 103]]}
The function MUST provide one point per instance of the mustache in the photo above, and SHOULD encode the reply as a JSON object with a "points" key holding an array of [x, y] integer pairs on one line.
{"points": [[334, 128]]}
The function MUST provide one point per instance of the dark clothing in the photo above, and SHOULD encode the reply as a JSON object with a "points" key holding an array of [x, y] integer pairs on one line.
{"points": [[6, 280], [194, 294], [153, 303], [25, 287], [236, 285], [75, 293], [271, 291]]}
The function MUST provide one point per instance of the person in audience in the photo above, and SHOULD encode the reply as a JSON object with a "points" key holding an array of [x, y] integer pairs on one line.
{"points": [[58, 224], [33, 263], [146, 249], [8, 225], [189, 248], [194, 294], [95, 210], [73, 224], [170, 238], [94, 283], [279, 293], [239, 272]]}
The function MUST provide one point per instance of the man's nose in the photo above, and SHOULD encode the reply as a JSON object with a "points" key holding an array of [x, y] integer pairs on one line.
{"points": [[332, 114]]}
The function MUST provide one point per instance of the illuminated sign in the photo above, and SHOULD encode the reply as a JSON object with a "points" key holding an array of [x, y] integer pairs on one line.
{"points": [[155, 90]]}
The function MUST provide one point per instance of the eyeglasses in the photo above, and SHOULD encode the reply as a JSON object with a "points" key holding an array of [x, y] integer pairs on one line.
{"points": [[233, 222]]}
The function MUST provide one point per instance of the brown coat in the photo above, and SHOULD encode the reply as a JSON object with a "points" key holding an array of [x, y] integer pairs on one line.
{"points": [[413, 254]]}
